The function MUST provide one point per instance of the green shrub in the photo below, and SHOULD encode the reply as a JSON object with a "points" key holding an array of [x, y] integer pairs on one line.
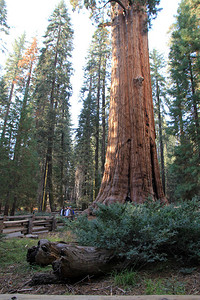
{"points": [[144, 233]]}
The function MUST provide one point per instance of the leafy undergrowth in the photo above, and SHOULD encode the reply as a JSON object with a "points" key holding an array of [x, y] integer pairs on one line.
{"points": [[145, 233], [161, 278]]}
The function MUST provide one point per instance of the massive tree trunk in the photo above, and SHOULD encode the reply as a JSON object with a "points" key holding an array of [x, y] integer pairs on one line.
{"points": [[131, 167]]}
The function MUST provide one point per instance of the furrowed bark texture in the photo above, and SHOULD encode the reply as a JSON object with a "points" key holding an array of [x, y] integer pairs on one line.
{"points": [[79, 261], [71, 261], [131, 167]]}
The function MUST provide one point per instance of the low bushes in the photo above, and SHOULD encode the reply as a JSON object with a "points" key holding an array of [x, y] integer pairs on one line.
{"points": [[145, 233]]}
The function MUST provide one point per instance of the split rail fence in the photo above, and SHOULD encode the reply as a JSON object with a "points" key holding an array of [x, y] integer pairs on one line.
{"points": [[28, 224]]}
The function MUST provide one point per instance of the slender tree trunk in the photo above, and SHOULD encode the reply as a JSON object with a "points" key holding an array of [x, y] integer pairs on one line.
{"points": [[42, 189], [52, 118], [180, 114], [97, 131], [160, 137], [103, 143], [62, 167], [6, 209], [42, 186], [131, 167], [14, 206], [49, 155], [195, 109], [18, 142], [86, 190]]}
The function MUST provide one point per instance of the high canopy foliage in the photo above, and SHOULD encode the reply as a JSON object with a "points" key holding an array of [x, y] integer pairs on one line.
{"points": [[96, 7]]}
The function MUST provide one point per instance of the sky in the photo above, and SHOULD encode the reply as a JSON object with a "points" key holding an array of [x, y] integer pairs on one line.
{"points": [[31, 16]]}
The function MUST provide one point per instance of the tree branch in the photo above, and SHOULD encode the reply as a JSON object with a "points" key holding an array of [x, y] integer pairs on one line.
{"points": [[119, 2]]}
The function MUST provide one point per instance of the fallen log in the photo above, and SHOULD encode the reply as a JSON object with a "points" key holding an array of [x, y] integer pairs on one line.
{"points": [[45, 253], [79, 261], [72, 261]]}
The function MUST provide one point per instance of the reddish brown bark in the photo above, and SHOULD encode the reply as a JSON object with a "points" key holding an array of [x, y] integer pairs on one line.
{"points": [[131, 167]]}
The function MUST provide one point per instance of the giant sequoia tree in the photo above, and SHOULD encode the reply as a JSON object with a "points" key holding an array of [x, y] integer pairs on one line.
{"points": [[131, 167]]}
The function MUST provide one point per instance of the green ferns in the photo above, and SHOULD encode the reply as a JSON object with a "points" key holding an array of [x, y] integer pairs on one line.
{"points": [[144, 233]]}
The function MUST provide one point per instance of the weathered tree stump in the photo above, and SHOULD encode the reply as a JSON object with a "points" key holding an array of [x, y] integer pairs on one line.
{"points": [[71, 261]]}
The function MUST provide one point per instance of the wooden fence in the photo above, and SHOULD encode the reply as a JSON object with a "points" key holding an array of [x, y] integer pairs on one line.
{"points": [[28, 224]]}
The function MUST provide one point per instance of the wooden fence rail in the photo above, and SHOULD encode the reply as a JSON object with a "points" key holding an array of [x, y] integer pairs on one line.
{"points": [[28, 224]]}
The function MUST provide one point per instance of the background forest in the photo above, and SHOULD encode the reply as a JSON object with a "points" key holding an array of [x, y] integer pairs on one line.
{"points": [[43, 162]]}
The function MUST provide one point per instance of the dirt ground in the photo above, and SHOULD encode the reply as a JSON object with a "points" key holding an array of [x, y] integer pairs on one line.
{"points": [[12, 282], [162, 279]]}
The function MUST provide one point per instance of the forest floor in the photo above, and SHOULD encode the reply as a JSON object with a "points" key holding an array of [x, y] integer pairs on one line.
{"points": [[160, 278]]}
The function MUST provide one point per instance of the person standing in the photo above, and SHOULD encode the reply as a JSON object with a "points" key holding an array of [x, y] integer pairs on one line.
{"points": [[67, 212], [62, 212]]}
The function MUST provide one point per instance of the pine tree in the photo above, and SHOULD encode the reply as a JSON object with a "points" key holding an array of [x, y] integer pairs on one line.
{"points": [[3, 152], [63, 151], [18, 152], [84, 145], [91, 133], [12, 73], [157, 64], [52, 93], [9, 117], [100, 53], [24, 126], [184, 108]]}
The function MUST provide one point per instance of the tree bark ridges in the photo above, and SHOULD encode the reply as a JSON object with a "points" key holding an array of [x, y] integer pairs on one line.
{"points": [[132, 169]]}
